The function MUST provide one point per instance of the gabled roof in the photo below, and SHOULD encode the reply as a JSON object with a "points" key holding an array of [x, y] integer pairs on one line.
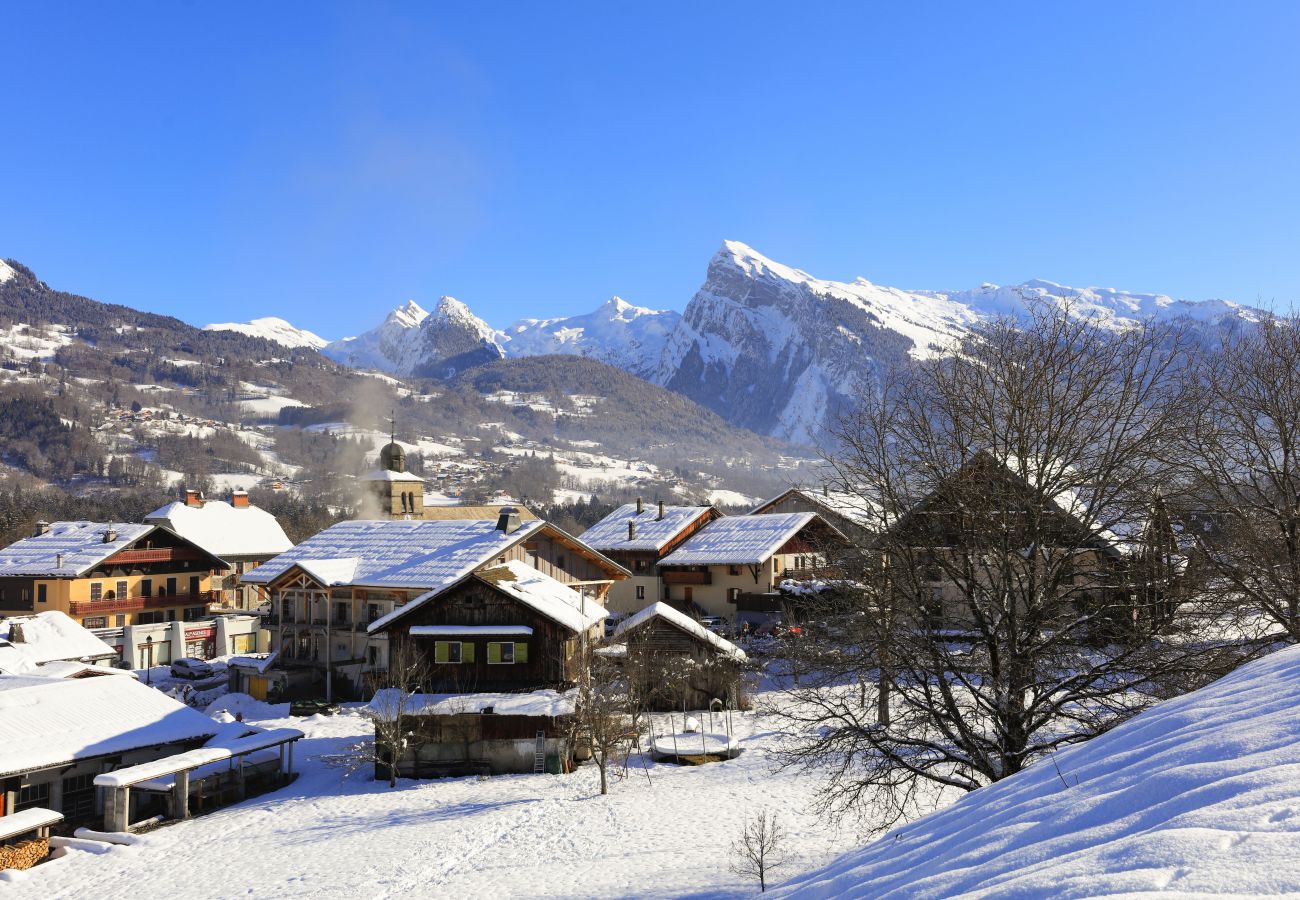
{"points": [[661, 610], [739, 540], [45, 638], [652, 532], [52, 721], [224, 530], [80, 544], [409, 553], [477, 512], [855, 508]]}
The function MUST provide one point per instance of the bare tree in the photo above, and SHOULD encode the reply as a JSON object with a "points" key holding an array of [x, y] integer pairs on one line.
{"points": [[993, 616], [603, 716], [393, 705], [1242, 468], [759, 850]]}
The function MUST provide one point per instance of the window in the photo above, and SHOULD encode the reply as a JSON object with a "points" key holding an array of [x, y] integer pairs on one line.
{"points": [[640, 591], [171, 587], [733, 595], [341, 613], [32, 795], [171, 615], [40, 593], [95, 622], [639, 565], [733, 570], [372, 655], [119, 621], [506, 653], [27, 596], [451, 652], [194, 613], [372, 612], [79, 797], [123, 590], [146, 587], [96, 591]]}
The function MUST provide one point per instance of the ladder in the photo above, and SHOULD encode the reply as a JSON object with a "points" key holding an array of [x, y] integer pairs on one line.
{"points": [[539, 754]]}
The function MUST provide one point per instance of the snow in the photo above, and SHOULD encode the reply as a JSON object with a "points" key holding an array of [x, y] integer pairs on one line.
{"points": [[618, 333], [739, 540], [652, 532], [273, 329], [1197, 795], [442, 630], [80, 544], [29, 819], [215, 751], [663, 611], [390, 475], [6, 271], [224, 530], [50, 721], [47, 637], [331, 572], [388, 701], [553, 599], [270, 405], [723, 497]]}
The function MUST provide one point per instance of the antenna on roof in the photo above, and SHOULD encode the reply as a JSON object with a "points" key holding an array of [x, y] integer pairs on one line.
{"points": [[392, 426]]}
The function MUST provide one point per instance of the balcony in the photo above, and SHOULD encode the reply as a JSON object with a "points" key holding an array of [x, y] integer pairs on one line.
{"points": [[160, 555], [686, 576], [135, 604], [767, 603]]}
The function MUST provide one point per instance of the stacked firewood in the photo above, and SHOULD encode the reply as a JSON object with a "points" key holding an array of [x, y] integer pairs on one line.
{"points": [[24, 854]]}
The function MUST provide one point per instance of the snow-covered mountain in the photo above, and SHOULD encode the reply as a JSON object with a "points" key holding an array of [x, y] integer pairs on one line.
{"points": [[411, 341], [782, 352], [618, 333], [269, 327]]}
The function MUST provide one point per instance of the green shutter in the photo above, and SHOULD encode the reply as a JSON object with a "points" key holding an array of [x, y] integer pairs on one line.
{"points": [[494, 653], [521, 652], [440, 653], [467, 652]]}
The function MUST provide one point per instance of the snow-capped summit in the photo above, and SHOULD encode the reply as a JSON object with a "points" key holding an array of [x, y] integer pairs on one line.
{"points": [[617, 332], [6, 271], [413, 341], [270, 327]]}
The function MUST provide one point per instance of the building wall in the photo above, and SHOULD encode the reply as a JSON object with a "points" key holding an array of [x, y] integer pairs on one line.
{"points": [[713, 598]]}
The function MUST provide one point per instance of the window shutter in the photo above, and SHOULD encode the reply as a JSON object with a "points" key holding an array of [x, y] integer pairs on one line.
{"points": [[494, 653], [440, 652], [467, 652], [521, 652]]}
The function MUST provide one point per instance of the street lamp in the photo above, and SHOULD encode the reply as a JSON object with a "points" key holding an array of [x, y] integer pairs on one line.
{"points": [[148, 672]]}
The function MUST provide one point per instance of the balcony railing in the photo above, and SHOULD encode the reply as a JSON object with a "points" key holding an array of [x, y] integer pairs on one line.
{"points": [[158, 555], [134, 604], [686, 576]]}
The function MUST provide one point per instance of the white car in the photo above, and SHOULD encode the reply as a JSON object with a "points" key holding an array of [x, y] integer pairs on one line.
{"points": [[188, 667]]}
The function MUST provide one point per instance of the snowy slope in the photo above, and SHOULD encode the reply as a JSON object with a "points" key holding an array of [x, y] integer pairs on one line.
{"points": [[618, 333], [1198, 795], [6, 271], [273, 329], [782, 352], [411, 341]]}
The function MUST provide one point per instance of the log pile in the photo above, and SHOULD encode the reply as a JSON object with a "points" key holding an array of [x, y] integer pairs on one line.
{"points": [[24, 854]]}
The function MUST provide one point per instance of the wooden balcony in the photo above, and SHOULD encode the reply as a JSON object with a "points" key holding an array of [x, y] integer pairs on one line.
{"points": [[135, 604], [159, 555], [686, 576], [767, 603]]}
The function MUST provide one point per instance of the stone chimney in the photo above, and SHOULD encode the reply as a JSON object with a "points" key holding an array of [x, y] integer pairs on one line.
{"points": [[631, 529], [193, 498], [508, 522], [42, 527], [640, 506], [58, 560], [661, 509], [239, 499]]}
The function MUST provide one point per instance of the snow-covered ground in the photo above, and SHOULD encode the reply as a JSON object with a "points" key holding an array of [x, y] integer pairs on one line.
{"points": [[664, 831], [1199, 796]]}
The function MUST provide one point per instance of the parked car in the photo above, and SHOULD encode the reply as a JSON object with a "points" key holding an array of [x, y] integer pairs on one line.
{"points": [[716, 624], [189, 667]]}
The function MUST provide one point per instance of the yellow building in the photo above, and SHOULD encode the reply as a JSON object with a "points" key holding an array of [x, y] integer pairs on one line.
{"points": [[107, 575]]}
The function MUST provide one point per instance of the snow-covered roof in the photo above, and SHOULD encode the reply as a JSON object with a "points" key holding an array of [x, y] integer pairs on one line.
{"points": [[258, 661], [652, 532], [26, 820], [388, 701], [739, 540], [46, 637], [853, 507], [68, 549], [398, 552], [445, 630], [331, 571], [389, 475], [62, 669], [52, 721], [553, 599], [1195, 796], [681, 620], [216, 750], [224, 530]]}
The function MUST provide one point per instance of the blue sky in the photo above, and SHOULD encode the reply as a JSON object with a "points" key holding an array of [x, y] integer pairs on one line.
{"points": [[324, 163]]}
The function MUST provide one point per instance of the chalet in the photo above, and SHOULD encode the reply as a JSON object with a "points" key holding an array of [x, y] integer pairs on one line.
{"points": [[733, 567], [335, 595], [851, 514], [242, 534], [107, 575], [682, 665], [58, 734], [32, 644], [638, 538]]}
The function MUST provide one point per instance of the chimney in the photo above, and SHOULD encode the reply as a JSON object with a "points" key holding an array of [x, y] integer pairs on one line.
{"points": [[631, 529], [110, 534], [661, 509], [508, 522], [826, 489], [239, 499], [58, 560], [640, 507], [193, 498], [42, 527]]}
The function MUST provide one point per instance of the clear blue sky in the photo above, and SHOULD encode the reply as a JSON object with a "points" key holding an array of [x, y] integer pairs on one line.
{"points": [[324, 163]]}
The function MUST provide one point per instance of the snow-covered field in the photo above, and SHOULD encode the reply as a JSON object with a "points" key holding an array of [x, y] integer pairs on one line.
{"points": [[664, 831], [1198, 796]]}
